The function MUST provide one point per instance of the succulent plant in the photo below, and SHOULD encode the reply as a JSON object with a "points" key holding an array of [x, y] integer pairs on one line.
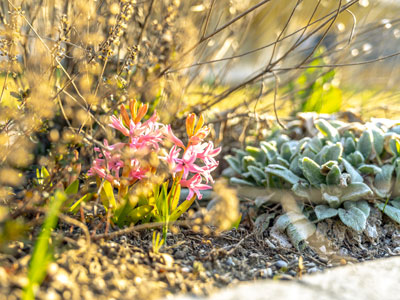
{"points": [[342, 171]]}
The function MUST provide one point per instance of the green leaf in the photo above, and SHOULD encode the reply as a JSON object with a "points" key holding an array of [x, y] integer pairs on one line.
{"points": [[311, 171], [238, 181], [183, 207], [107, 196], [72, 188], [356, 191], [283, 173], [258, 174], [327, 130], [74, 208], [392, 212], [234, 163], [175, 197], [364, 144], [139, 213], [42, 254], [355, 176], [325, 212], [333, 177], [369, 169], [353, 218]]}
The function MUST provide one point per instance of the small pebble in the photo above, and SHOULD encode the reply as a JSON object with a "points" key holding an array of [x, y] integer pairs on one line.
{"points": [[180, 254], [310, 265], [269, 272], [312, 270], [281, 264], [230, 262]]}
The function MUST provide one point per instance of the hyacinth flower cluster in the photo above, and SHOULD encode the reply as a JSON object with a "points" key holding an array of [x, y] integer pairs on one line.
{"points": [[190, 165], [119, 164], [186, 167]]}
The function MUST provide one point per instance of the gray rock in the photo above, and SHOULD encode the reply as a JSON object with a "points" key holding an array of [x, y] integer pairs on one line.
{"points": [[281, 264], [372, 280]]}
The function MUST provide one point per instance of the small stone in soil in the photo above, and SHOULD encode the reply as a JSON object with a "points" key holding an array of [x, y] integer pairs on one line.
{"points": [[312, 270], [281, 264], [230, 262]]}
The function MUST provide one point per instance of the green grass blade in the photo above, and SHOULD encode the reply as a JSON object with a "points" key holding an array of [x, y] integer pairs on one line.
{"points": [[42, 253]]}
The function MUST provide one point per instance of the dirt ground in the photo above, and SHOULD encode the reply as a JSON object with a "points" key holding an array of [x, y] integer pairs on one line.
{"points": [[124, 267]]}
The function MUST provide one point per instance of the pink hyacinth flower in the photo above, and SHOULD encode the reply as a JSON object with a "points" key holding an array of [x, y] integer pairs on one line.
{"points": [[173, 138], [195, 186], [119, 125]]}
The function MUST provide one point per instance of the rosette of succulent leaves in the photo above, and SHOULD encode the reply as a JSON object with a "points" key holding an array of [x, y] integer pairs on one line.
{"points": [[339, 173]]}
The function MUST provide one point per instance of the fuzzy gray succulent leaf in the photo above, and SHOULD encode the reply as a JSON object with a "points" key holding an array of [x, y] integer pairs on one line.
{"points": [[378, 140], [238, 181], [286, 151], [234, 163], [248, 161], [332, 200], [282, 172], [395, 203], [329, 153], [394, 145], [349, 145], [294, 166], [270, 150], [327, 130], [383, 181], [281, 161], [364, 144], [325, 212], [258, 154], [333, 177], [353, 218], [298, 232], [356, 191], [257, 174], [396, 187], [361, 205], [312, 171], [356, 158], [369, 169], [392, 212], [301, 190], [355, 176]]}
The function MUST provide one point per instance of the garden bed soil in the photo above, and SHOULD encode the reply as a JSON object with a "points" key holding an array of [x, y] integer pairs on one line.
{"points": [[124, 267]]}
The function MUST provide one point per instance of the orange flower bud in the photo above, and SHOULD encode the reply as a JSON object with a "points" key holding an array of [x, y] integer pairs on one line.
{"points": [[199, 125], [190, 121], [141, 112], [133, 108], [125, 116]]}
